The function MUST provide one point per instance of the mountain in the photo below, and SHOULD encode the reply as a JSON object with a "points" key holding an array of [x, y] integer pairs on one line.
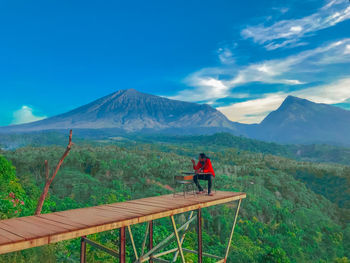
{"points": [[297, 121], [130, 110], [302, 121]]}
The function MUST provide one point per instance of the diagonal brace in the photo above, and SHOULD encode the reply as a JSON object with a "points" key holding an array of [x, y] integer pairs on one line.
{"points": [[145, 257], [133, 242], [178, 239], [232, 231], [182, 238]]}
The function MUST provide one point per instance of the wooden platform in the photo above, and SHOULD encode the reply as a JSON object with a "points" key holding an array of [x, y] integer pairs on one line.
{"points": [[32, 231]]}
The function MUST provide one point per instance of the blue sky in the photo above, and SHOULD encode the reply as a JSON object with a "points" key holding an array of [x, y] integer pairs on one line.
{"points": [[242, 57]]}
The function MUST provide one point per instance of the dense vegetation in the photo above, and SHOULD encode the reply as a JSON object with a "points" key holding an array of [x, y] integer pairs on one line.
{"points": [[290, 215], [312, 152]]}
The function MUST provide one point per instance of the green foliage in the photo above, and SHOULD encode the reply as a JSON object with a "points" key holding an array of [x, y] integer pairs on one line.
{"points": [[287, 216], [11, 191]]}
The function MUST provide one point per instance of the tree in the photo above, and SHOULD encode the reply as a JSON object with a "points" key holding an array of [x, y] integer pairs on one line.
{"points": [[48, 178]]}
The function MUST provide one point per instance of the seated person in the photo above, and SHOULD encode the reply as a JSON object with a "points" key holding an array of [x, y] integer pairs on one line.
{"points": [[203, 166]]}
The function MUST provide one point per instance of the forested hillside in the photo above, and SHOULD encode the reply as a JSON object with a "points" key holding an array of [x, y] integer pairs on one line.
{"points": [[216, 142], [283, 219]]}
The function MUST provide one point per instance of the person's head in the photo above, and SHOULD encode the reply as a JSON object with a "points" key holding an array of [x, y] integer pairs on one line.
{"points": [[202, 157]]}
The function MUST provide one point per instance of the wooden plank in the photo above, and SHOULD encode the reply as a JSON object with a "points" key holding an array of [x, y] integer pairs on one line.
{"points": [[121, 213], [129, 209], [51, 222], [89, 218], [174, 203], [8, 235], [141, 208], [150, 204], [49, 227], [25, 229], [5, 240], [59, 219], [151, 211]]}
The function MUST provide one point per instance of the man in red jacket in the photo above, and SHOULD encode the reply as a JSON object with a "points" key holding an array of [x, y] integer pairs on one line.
{"points": [[203, 166]]}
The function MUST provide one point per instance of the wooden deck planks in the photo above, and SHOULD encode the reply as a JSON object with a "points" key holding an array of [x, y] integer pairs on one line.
{"points": [[32, 231], [6, 236]]}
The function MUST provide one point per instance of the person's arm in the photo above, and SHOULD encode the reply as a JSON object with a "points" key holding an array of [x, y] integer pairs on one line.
{"points": [[196, 167]]}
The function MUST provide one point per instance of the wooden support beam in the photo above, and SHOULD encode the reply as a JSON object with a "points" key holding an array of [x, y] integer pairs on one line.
{"points": [[144, 240], [160, 245], [178, 239], [150, 241], [183, 237], [82, 250], [232, 231], [165, 252], [102, 247], [199, 235], [122, 245], [133, 242], [161, 260], [204, 254]]}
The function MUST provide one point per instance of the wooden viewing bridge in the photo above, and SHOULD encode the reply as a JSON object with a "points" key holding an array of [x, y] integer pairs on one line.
{"points": [[33, 231]]}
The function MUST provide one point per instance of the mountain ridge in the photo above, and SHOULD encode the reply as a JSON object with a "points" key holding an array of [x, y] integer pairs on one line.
{"points": [[297, 120], [131, 110], [302, 121]]}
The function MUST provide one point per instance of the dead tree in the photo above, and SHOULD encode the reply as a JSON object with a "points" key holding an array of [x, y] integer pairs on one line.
{"points": [[49, 179]]}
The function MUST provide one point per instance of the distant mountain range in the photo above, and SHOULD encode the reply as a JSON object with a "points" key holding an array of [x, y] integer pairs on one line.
{"points": [[295, 121], [302, 121]]}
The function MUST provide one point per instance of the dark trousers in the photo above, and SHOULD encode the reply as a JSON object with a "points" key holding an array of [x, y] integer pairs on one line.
{"points": [[208, 177]]}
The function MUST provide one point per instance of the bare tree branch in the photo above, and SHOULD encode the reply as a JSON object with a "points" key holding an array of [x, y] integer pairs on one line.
{"points": [[46, 170], [48, 179]]}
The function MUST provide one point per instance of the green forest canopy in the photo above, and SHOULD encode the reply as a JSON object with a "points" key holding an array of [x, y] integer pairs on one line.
{"points": [[294, 212]]}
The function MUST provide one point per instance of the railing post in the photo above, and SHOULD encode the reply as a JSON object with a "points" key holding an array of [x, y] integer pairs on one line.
{"points": [[150, 243], [199, 235], [122, 245], [82, 250]]}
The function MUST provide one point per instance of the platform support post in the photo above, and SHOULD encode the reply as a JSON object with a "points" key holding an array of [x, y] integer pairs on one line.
{"points": [[122, 245], [199, 235], [183, 237], [178, 239], [232, 231], [82, 250], [150, 240], [133, 242]]}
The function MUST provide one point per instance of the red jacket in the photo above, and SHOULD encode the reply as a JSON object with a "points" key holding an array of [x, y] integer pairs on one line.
{"points": [[207, 168]]}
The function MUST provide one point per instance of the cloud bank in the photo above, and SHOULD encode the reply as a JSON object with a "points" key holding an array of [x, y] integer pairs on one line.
{"points": [[25, 115], [288, 33]]}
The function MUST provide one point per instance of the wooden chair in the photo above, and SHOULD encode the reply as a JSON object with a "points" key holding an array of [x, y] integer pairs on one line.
{"points": [[188, 186]]}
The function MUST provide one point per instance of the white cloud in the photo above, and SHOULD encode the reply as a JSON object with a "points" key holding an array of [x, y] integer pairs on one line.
{"points": [[207, 88], [25, 115], [289, 32], [294, 70], [275, 71], [347, 50], [296, 29], [225, 56], [332, 93], [254, 111]]}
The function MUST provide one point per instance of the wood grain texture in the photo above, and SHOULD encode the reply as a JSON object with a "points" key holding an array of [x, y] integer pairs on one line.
{"points": [[32, 231]]}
